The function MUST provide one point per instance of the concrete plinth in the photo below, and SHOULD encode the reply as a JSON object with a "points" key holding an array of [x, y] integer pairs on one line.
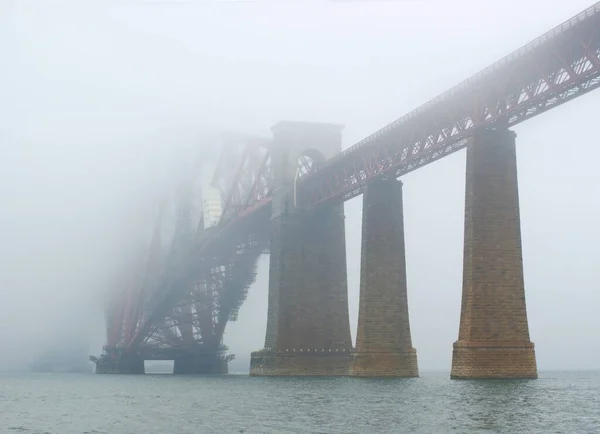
{"points": [[493, 339], [306, 363], [120, 365], [383, 343], [209, 364]]}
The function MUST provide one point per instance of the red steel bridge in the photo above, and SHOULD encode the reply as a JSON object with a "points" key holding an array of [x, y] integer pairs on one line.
{"points": [[175, 304]]}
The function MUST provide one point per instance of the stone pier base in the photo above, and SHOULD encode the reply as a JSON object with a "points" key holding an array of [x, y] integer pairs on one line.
{"points": [[121, 365], [508, 361], [200, 365], [385, 364], [271, 363]]}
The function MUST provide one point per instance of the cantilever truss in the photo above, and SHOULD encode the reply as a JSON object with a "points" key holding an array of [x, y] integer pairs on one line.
{"points": [[200, 315], [555, 68], [205, 275]]}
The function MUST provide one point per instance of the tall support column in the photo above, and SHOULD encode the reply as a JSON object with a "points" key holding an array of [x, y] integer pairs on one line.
{"points": [[308, 327], [383, 342], [493, 340]]}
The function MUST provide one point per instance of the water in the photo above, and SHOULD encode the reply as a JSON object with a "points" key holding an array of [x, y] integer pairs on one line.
{"points": [[87, 403]]}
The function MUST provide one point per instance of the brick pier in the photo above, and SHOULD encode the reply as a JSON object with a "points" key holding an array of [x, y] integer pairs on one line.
{"points": [[308, 330], [198, 364], [493, 339], [383, 343], [308, 327]]}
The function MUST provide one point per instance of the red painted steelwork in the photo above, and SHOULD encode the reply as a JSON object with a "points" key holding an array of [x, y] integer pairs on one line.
{"points": [[251, 182], [553, 69]]}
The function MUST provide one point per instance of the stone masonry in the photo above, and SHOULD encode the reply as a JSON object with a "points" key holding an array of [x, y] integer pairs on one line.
{"points": [[493, 339], [308, 332], [197, 364], [383, 343], [308, 327], [120, 365]]}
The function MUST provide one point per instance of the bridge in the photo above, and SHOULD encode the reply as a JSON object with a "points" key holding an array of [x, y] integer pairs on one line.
{"points": [[284, 195]]}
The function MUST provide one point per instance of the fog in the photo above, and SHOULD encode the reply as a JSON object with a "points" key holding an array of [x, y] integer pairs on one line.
{"points": [[97, 97]]}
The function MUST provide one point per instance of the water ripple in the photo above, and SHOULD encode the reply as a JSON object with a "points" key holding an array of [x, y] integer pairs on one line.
{"points": [[90, 404]]}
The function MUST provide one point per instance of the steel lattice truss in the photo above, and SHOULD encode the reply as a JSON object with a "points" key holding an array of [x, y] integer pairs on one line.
{"points": [[190, 291], [200, 315], [251, 181], [555, 68], [192, 287]]}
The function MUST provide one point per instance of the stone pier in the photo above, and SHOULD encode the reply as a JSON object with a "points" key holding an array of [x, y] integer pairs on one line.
{"points": [[125, 364], [493, 339], [200, 364], [308, 329], [383, 343]]}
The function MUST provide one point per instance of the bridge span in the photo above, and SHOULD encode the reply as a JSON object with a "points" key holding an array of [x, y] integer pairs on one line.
{"points": [[284, 196]]}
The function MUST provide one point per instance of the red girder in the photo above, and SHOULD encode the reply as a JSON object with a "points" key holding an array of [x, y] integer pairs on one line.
{"points": [[122, 303], [261, 188], [235, 191], [553, 69], [252, 180]]}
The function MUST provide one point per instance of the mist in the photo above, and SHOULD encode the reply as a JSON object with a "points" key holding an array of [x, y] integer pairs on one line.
{"points": [[99, 100]]}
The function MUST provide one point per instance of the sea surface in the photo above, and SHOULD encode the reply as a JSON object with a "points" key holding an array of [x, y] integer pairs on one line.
{"points": [[558, 402]]}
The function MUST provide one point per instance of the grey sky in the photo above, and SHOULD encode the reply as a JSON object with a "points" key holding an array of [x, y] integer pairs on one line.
{"points": [[94, 95]]}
